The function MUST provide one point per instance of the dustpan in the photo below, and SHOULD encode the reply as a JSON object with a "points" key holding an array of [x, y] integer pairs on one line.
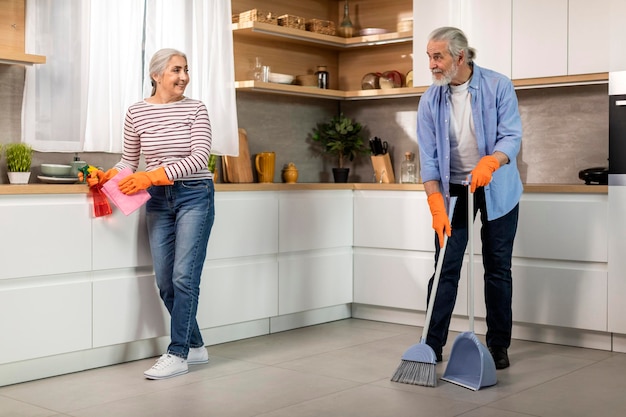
{"points": [[471, 364]]}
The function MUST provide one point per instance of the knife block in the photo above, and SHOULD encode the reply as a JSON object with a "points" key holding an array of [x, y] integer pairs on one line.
{"points": [[383, 171]]}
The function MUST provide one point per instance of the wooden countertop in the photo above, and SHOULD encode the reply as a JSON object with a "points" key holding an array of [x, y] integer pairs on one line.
{"points": [[7, 189]]}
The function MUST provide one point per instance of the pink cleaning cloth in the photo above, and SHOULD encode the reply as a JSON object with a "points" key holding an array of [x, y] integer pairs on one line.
{"points": [[124, 202]]}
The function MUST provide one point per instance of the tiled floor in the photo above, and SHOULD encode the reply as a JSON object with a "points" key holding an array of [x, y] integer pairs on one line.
{"points": [[338, 369]]}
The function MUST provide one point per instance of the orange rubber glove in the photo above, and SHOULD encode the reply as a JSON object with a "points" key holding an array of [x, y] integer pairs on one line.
{"points": [[142, 180], [98, 176], [482, 172], [441, 223]]}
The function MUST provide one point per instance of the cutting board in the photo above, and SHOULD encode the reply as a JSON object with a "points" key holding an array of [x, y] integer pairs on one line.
{"points": [[238, 169]]}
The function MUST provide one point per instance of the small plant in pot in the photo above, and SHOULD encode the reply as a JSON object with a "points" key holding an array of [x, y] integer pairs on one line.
{"points": [[342, 138], [19, 158]]}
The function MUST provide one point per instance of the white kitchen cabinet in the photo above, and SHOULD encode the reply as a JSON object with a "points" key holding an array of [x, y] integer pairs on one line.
{"points": [[120, 241], [246, 224], [315, 250], [486, 23], [312, 220], [539, 38], [41, 319], [589, 36], [394, 250], [238, 290], [44, 235], [393, 220], [314, 279], [127, 307]]}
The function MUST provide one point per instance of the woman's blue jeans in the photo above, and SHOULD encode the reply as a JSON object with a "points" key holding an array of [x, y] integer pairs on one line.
{"points": [[180, 218], [497, 249]]}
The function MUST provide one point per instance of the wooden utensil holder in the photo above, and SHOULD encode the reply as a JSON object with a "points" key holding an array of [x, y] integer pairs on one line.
{"points": [[383, 171]]}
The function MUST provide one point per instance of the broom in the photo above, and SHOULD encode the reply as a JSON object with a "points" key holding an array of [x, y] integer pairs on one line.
{"points": [[418, 363]]}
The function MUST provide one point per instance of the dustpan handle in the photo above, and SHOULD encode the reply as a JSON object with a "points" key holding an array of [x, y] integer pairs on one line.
{"points": [[438, 267], [470, 253]]}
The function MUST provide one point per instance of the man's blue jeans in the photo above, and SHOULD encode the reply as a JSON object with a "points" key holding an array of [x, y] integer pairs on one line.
{"points": [[180, 218], [497, 249]]}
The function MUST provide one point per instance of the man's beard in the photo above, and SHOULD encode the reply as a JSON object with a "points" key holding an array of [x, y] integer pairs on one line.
{"points": [[447, 76]]}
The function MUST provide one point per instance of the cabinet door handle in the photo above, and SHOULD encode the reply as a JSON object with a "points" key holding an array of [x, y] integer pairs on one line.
{"points": [[620, 102]]}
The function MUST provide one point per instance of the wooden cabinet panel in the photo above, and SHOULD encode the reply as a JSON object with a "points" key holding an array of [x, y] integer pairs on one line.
{"points": [[12, 25]]}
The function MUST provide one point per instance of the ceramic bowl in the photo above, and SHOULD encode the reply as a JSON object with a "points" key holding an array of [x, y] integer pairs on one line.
{"points": [[372, 31], [56, 170], [391, 79], [370, 81], [280, 78], [308, 80]]}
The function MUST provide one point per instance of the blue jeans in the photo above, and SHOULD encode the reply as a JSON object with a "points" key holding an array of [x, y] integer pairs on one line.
{"points": [[497, 249], [180, 218]]}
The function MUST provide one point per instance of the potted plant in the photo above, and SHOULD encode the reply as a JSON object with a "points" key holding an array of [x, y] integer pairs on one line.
{"points": [[340, 137], [19, 157]]}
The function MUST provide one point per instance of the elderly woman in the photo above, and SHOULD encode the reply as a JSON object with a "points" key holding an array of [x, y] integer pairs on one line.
{"points": [[174, 134]]}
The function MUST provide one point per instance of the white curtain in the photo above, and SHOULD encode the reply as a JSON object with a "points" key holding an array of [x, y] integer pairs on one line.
{"points": [[202, 30], [98, 56], [55, 93]]}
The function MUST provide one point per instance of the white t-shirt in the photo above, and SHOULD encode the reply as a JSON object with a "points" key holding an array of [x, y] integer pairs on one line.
{"points": [[463, 146]]}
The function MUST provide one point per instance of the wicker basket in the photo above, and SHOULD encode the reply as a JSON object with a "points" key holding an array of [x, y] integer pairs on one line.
{"points": [[257, 15], [235, 18], [291, 21], [324, 27]]}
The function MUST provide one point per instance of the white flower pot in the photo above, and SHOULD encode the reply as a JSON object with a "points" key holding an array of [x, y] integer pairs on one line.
{"points": [[18, 177]]}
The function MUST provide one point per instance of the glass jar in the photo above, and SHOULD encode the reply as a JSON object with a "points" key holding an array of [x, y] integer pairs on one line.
{"points": [[408, 169], [322, 76]]}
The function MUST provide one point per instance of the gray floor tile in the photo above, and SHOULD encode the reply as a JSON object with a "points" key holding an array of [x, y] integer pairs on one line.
{"points": [[595, 390], [245, 394], [372, 401], [335, 369]]}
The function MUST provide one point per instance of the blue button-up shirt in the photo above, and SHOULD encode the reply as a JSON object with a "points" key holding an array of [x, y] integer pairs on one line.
{"points": [[498, 127]]}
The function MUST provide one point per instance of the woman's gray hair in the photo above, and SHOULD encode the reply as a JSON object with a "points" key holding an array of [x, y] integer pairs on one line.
{"points": [[457, 42], [158, 63]]}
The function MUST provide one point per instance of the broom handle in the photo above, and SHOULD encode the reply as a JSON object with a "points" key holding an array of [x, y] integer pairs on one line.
{"points": [[470, 238], [433, 291]]}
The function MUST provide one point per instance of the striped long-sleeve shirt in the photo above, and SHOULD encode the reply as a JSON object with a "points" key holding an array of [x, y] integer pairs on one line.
{"points": [[176, 136]]}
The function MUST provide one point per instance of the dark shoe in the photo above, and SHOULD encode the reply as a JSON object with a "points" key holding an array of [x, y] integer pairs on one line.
{"points": [[500, 356], [437, 353]]}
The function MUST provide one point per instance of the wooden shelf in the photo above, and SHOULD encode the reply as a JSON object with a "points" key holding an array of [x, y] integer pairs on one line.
{"points": [[297, 90], [562, 81], [18, 58], [260, 30]]}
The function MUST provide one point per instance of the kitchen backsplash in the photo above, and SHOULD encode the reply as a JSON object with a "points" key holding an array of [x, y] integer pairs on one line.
{"points": [[565, 130]]}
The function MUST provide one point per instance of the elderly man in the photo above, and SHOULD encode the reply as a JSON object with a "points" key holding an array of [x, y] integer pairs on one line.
{"points": [[468, 124]]}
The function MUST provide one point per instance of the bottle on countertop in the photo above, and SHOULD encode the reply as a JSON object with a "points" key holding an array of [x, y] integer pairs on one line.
{"points": [[77, 164], [408, 169], [322, 76]]}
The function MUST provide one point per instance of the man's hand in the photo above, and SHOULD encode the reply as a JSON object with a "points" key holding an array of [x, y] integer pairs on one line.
{"points": [[482, 173], [441, 223]]}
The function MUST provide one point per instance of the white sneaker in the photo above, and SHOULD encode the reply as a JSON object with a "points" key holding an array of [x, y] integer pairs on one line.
{"points": [[167, 366], [197, 356]]}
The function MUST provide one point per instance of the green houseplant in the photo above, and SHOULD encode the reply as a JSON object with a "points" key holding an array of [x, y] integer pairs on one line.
{"points": [[19, 158], [342, 138]]}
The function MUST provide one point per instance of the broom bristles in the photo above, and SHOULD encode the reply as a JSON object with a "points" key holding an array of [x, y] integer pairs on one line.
{"points": [[416, 373]]}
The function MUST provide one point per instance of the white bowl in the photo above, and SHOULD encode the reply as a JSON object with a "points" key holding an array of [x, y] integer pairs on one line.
{"points": [[56, 170], [280, 78], [372, 31]]}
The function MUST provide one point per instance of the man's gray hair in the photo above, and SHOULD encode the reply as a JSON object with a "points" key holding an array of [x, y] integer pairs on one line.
{"points": [[457, 42]]}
